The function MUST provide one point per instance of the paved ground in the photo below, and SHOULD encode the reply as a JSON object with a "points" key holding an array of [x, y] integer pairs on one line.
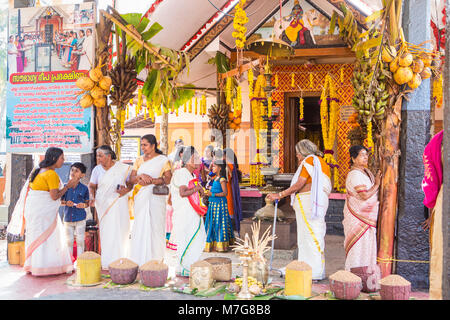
{"points": [[16, 285]]}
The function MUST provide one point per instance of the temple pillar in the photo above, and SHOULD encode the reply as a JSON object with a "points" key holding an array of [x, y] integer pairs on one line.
{"points": [[412, 242]]}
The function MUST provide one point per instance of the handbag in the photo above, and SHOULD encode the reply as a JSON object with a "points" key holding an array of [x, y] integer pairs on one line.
{"points": [[161, 190]]}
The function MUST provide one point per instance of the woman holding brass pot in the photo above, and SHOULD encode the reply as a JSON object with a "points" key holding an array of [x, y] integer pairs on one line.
{"points": [[151, 173]]}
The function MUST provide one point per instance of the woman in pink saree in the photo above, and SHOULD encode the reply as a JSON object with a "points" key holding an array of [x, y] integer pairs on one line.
{"points": [[432, 188], [361, 213]]}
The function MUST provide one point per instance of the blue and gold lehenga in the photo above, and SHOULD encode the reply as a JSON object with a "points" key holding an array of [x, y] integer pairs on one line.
{"points": [[219, 230]]}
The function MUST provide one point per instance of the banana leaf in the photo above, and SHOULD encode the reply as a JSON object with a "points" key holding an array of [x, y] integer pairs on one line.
{"points": [[334, 16], [371, 43], [212, 291], [184, 94], [134, 18], [153, 80], [152, 31]]}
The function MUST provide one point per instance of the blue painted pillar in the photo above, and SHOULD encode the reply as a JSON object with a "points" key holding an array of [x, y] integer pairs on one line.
{"points": [[412, 241]]}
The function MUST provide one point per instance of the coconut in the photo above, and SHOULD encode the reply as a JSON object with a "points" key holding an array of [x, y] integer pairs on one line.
{"points": [[426, 73], [405, 60], [86, 101], [85, 83], [393, 66], [417, 66], [100, 103], [105, 83], [426, 58], [415, 82], [96, 74], [388, 54], [97, 93], [403, 75]]}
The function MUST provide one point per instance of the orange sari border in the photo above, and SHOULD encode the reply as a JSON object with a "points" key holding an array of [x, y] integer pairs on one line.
{"points": [[41, 239]]}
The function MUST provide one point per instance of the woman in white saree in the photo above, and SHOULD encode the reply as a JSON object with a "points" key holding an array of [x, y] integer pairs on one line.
{"points": [[36, 216], [108, 188], [188, 228], [309, 191], [148, 236]]}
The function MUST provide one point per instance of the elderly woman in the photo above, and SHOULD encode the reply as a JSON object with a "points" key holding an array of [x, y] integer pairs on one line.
{"points": [[46, 251], [309, 191], [189, 232], [108, 187], [361, 212], [148, 237]]}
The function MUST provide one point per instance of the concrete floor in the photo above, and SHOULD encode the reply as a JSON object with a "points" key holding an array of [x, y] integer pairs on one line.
{"points": [[15, 284]]}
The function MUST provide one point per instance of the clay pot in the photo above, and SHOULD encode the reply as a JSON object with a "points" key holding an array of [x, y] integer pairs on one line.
{"points": [[370, 278], [122, 273], [154, 278], [395, 287], [345, 290]]}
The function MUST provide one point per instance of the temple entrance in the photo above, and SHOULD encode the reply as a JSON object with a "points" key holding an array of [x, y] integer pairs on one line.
{"points": [[294, 130]]}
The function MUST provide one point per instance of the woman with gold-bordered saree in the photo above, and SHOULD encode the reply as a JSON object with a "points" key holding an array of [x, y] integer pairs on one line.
{"points": [[360, 220]]}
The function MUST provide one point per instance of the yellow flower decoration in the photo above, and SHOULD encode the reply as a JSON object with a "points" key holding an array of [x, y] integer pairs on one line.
{"points": [[240, 19], [302, 110]]}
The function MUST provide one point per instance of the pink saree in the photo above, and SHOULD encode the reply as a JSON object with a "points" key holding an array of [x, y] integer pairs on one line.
{"points": [[432, 188], [360, 221]]}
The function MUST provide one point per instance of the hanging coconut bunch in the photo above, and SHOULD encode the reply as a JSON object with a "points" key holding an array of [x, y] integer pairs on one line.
{"points": [[95, 87], [218, 116], [409, 65], [123, 77]]}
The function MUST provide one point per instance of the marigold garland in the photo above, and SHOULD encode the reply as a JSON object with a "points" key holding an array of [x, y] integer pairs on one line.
{"points": [[302, 110], [370, 142], [259, 125], [276, 81], [196, 105], [329, 119], [437, 91], [239, 21], [311, 81], [228, 92], [292, 80]]}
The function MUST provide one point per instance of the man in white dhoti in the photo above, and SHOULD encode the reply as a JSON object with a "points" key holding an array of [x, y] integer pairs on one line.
{"points": [[309, 191]]}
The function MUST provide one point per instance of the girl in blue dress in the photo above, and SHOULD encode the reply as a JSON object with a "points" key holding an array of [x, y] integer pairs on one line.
{"points": [[219, 230]]}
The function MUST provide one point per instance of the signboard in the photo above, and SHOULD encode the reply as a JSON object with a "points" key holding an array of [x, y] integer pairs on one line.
{"points": [[346, 112], [130, 149], [45, 59]]}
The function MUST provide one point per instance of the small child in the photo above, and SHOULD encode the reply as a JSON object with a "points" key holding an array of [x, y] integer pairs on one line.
{"points": [[75, 201], [219, 230]]}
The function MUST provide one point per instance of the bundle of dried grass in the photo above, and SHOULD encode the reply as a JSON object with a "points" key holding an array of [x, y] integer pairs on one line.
{"points": [[256, 245]]}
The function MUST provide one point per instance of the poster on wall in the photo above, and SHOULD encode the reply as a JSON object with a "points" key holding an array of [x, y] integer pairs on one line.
{"points": [[49, 48], [130, 149], [300, 25]]}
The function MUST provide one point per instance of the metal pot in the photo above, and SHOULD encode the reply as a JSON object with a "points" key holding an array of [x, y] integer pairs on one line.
{"points": [[259, 270]]}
